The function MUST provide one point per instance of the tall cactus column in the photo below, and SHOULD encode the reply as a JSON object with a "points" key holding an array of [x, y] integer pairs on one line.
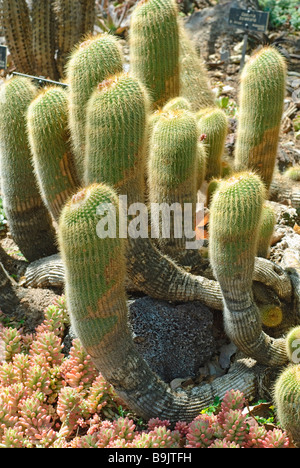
{"points": [[28, 218], [53, 160], [235, 216], [154, 48], [261, 105]]}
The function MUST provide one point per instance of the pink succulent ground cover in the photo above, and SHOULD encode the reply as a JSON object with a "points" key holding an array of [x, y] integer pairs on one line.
{"points": [[50, 400]]}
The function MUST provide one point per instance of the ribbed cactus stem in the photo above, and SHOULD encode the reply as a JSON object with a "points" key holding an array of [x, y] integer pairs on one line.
{"points": [[172, 180], [29, 221], [16, 25], [97, 305], [115, 135], [154, 48], [49, 142], [91, 62], [43, 38], [68, 17], [287, 401], [262, 93], [194, 81], [213, 123], [234, 223], [266, 230]]}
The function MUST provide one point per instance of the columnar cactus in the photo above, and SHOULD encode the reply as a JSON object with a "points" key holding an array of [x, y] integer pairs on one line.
{"points": [[213, 123], [29, 221], [47, 120], [266, 230], [15, 21], [154, 48], [115, 136], [194, 82], [172, 169], [91, 62], [286, 399], [43, 38], [235, 215], [261, 105]]}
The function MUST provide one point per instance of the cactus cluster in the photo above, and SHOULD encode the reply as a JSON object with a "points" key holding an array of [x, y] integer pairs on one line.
{"points": [[147, 136], [41, 38]]}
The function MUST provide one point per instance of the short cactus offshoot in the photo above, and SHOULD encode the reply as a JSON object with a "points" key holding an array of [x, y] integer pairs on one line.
{"points": [[261, 106]]}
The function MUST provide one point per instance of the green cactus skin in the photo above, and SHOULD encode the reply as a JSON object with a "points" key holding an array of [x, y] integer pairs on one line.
{"points": [[293, 345], [16, 25], [213, 123], [115, 135], [148, 269], [262, 93], [177, 103], [286, 398], [43, 38], [95, 272], [154, 48], [201, 164], [293, 173], [88, 9], [68, 17], [172, 169], [29, 221], [266, 230], [194, 82], [91, 62], [47, 121], [234, 223], [211, 189]]}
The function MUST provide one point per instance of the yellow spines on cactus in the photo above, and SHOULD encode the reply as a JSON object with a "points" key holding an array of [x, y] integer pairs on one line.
{"points": [[154, 48], [266, 230], [261, 103], [53, 161], [91, 62], [213, 125], [194, 81]]}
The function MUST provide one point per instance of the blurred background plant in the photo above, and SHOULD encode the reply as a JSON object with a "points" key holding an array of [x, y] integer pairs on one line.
{"points": [[283, 12]]}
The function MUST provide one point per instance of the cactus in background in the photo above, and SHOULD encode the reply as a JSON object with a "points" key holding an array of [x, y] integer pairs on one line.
{"points": [[177, 103], [201, 164], [261, 105], [88, 9], [16, 25], [47, 121], [287, 401], [194, 82], [97, 305], [213, 123], [154, 48], [293, 344], [115, 136], [43, 38], [266, 230], [271, 315], [234, 224], [29, 221], [91, 62], [293, 173], [172, 169], [211, 188]]}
